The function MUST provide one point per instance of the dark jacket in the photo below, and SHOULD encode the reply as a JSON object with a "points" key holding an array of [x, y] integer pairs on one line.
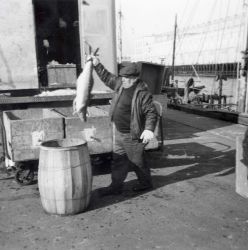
{"points": [[143, 114]]}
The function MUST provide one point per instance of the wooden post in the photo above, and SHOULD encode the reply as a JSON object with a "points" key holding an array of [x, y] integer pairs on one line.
{"points": [[243, 102], [241, 166], [186, 94], [220, 90], [242, 107]]}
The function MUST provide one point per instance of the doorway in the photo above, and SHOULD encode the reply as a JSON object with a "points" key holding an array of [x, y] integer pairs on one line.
{"points": [[57, 36]]}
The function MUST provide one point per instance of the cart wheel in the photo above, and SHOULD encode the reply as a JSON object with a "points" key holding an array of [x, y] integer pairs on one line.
{"points": [[24, 176]]}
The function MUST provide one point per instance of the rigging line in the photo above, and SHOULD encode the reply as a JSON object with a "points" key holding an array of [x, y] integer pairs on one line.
{"points": [[207, 31], [217, 40], [238, 49], [242, 17], [218, 37], [192, 13], [181, 43], [184, 15], [213, 89], [187, 25], [237, 7], [184, 10], [223, 30], [222, 35]]}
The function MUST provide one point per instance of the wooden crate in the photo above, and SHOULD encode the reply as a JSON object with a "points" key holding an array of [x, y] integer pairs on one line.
{"points": [[61, 75], [97, 130], [153, 75], [26, 129]]}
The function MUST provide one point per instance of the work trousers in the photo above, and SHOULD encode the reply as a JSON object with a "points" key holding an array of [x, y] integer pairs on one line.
{"points": [[128, 153]]}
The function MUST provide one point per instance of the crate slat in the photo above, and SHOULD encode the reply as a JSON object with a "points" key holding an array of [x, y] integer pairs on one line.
{"points": [[97, 130]]}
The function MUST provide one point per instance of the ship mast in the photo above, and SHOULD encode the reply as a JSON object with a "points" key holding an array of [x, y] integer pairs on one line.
{"points": [[174, 49]]}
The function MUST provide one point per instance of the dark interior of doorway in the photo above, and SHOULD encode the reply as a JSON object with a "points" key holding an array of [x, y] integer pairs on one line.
{"points": [[57, 35]]}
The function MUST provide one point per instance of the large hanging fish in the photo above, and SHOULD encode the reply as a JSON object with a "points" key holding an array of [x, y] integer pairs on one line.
{"points": [[84, 83], [84, 86]]}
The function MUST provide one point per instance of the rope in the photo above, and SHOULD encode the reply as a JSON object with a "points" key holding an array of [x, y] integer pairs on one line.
{"points": [[187, 24], [239, 44], [183, 17], [216, 49], [206, 32], [224, 29]]}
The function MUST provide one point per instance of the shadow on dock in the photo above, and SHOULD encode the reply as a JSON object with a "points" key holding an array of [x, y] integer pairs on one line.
{"points": [[186, 160]]}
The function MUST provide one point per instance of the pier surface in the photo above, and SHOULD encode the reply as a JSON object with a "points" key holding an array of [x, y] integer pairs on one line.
{"points": [[193, 205]]}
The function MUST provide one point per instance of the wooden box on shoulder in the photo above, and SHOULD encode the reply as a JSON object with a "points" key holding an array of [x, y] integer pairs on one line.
{"points": [[26, 129]]}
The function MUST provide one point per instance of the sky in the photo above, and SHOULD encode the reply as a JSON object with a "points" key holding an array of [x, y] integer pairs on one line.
{"points": [[146, 17]]}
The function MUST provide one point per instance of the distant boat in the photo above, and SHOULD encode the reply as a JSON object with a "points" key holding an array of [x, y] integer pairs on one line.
{"points": [[206, 99]]}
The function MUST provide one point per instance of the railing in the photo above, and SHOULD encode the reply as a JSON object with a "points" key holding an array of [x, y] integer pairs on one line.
{"points": [[211, 70]]}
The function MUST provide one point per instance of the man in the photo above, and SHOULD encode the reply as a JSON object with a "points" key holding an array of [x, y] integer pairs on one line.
{"points": [[134, 118]]}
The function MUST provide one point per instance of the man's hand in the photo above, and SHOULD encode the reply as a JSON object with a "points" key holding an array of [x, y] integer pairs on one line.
{"points": [[146, 136], [95, 60], [75, 23], [62, 23], [45, 43]]}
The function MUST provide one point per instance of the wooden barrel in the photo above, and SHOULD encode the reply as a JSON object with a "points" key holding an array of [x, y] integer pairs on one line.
{"points": [[64, 176]]}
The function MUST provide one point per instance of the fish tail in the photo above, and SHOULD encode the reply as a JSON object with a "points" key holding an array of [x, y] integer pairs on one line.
{"points": [[82, 117], [83, 114]]}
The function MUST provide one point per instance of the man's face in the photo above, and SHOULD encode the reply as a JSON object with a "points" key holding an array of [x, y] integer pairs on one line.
{"points": [[127, 82]]}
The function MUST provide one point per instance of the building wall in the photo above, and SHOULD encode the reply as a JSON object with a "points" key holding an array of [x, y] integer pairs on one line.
{"points": [[18, 67]]}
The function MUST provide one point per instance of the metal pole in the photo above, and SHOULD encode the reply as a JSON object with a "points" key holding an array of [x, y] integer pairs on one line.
{"points": [[120, 33], [220, 91]]}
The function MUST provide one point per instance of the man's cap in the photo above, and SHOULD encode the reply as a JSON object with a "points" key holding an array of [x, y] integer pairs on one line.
{"points": [[130, 69]]}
